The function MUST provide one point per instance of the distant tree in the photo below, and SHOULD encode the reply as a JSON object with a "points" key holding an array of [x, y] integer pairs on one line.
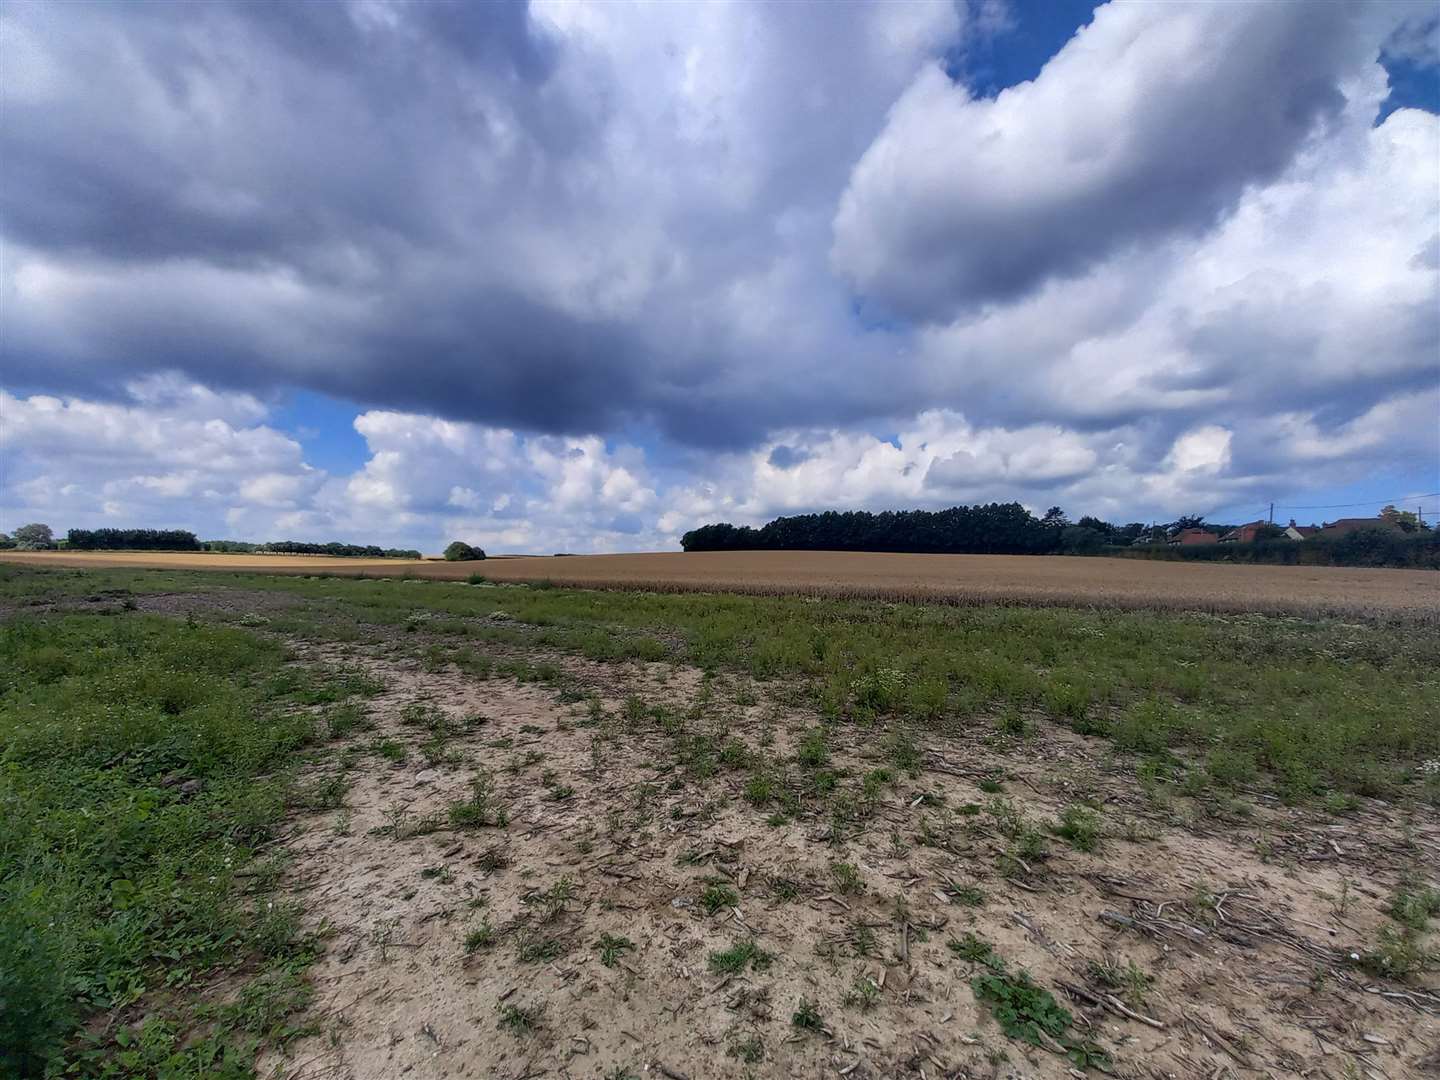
{"points": [[1186, 521], [996, 528], [34, 537], [1081, 540], [132, 540], [459, 551], [6, 541], [1055, 519], [1099, 525], [335, 549], [1406, 520], [1128, 534], [1269, 531]]}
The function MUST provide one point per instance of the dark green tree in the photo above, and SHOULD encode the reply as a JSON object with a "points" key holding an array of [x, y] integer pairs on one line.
{"points": [[459, 551]]}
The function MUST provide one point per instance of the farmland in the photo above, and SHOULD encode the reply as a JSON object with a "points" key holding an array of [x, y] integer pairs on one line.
{"points": [[941, 578], [325, 827]]}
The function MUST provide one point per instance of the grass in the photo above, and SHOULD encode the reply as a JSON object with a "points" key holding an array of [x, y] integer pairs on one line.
{"points": [[807, 1017], [482, 808], [143, 762], [967, 896], [750, 1051], [480, 937], [539, 950], [1399, 951], [717, 896], [1313, 704], [743, 954], [611, 948], [971, 948], [1080, 826], [1127, 979], [521, 1019], [847, 878]]}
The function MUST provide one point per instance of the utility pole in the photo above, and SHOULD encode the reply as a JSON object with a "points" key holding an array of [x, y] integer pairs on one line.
{"points": [[1272, 513]]}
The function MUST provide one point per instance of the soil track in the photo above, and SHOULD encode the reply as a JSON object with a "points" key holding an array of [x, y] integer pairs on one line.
{"points": [[1033, 579], [1235, 931]]}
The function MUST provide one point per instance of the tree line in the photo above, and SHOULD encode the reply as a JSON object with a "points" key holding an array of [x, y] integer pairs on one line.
{"points": [[333, 548], [989, 529], [132, 540], [1010, 529], [37, 536]]}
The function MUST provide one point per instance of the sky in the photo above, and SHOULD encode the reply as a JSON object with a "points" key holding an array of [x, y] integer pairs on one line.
{"points": [[582, 276]]}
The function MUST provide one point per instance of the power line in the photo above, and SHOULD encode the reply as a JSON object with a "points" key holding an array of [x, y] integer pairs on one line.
{"points": [[1368, 502]]}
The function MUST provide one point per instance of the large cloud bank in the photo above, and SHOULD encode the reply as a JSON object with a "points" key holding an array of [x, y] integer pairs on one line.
{"points": [[595, 273]]}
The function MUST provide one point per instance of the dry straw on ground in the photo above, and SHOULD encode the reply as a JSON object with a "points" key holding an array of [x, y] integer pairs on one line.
{"points": [[1124, 583]]}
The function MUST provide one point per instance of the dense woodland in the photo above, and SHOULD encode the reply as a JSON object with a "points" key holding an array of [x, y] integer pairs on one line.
{"points": [[132, 540], [1010, 529]]}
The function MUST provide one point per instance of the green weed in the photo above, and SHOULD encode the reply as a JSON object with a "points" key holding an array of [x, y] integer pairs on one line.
{"points": [[743, 954]]}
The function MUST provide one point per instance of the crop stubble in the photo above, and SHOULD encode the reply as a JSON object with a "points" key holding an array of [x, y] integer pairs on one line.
{"points": [[1042, 580]]}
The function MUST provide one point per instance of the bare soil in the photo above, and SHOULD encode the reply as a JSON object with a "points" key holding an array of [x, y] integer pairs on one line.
{"points": [[1034, 579], [1244, 925]]}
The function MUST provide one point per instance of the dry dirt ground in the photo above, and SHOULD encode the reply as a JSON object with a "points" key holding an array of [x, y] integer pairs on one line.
{"points": [[476, 949], [973, 578]]}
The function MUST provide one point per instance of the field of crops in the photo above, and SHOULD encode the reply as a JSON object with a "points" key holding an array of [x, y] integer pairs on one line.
{"points": [[959, 578]]}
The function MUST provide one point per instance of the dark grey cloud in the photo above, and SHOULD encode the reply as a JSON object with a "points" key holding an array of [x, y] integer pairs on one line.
{"points": [[787, 457], [448, 207], [478, 212]]}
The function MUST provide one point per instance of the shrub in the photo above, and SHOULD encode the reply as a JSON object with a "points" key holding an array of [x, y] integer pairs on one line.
{"points": [[459, 551]]}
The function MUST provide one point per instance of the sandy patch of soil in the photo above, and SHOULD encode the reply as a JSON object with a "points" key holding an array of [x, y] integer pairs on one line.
{"points": [[1239, 928]]}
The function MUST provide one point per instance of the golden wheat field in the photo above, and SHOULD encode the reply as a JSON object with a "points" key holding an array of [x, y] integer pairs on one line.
{"points": [[1024, 579]]}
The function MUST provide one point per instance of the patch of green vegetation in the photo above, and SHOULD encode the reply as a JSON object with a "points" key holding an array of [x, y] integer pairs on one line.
{"points": [[743, 954], [813, 751], [346, 718], [1127, 979], [717, 895], [1022, 1009], [807, 1016], [967, 896], [863, 994], [971, 948], [521, 1019], [903, 751], [537, 950], [750, 1051], [1413, 905], [1151, 681], [1398, 954], [759, 788], [551, 902], [1400, 951], [482, 807], [612, 947], [847, 877], [1080, 826], [390, 750], [479, 937], [143, 763]]}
